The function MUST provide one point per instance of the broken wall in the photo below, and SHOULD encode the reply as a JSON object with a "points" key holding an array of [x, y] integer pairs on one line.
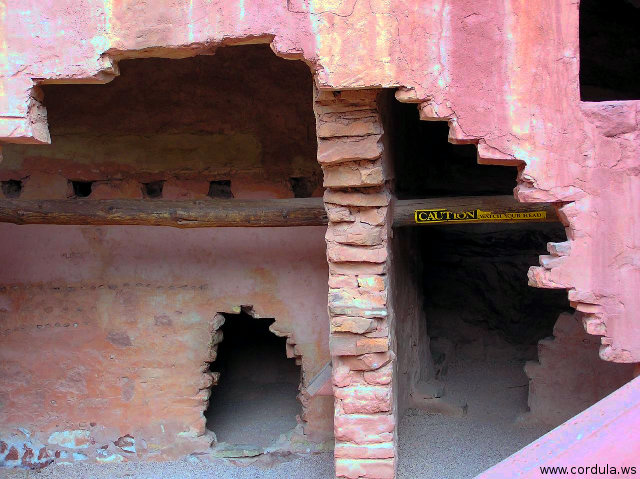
{"points": [[107, 331], [242, 116], [504, 75], [568, 378]]}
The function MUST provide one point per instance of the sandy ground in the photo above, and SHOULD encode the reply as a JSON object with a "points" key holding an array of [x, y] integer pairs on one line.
{"points": [[440, 447], [268, 410], [431, 446]]}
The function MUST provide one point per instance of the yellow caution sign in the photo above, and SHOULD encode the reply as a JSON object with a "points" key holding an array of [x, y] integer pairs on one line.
{"points": [[478, 216]]}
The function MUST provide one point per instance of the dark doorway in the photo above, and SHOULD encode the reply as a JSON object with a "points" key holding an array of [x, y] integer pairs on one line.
{"points": [[255, 400], [609, 50]]}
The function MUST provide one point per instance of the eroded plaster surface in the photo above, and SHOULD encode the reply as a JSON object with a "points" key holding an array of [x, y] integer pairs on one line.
{"points": [[108, 331], [503, 73]]}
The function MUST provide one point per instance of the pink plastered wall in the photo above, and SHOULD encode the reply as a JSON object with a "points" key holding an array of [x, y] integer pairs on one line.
{"points": [[108, 329], [505, 75]]}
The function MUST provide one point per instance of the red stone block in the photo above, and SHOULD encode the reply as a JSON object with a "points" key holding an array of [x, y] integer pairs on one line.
{"points": [[354, 198], [365, 468], [344, 254], [368, 362], [339, 214], [364, 428], [364, 399], [381, 375], [354, 174], [350, 123], [342, 281], [347, 450], [372, 282], [357, 234], [348, 324]]}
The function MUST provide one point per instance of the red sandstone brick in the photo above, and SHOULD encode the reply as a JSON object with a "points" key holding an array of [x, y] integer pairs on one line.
{"points": [[341, 150], [372, 282], [339, 214], [345, 100], [381, 375], [352, 198], [364, 428], [362, 399], [343, 344], [345, 253], [357, 234], [346, 324], [381, 329], [352, 123], [354, 175], [365, 468], [349, 344], [357, 268], [368, 362], [342, 376], [372, 216], [357, 303], [372, 345], [342, 281], [347, 450]]}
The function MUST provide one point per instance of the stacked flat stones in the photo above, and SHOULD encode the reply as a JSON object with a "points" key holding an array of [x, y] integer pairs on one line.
{"points": [[357, 201]]}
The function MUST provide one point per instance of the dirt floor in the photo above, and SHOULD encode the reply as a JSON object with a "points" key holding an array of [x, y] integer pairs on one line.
{"points": [[441, 447], [431, 446]]}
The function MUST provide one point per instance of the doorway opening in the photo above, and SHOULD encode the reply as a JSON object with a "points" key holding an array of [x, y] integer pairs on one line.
{"points": [[466, 319], [255, 399]]}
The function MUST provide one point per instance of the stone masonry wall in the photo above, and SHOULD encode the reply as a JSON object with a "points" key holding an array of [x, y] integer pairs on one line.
{"points": [[357, 200]]}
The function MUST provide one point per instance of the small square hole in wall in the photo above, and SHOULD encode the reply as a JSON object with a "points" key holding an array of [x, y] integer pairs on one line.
{"points": [[609, 50], [12, 188], [81, 189], [302, 187], [153, 189], [220, 189]]}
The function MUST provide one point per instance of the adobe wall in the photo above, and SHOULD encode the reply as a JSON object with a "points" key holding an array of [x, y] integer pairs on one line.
{"points": [[107, 332], [503, 74], [568, 378], [242, 115], [414, 361]]}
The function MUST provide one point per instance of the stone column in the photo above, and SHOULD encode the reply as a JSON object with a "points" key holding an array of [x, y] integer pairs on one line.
{"points": [[357, 201]]}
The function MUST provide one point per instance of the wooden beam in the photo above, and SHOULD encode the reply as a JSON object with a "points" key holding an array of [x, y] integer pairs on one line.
{"points": [[179, 213], [253, 213]]}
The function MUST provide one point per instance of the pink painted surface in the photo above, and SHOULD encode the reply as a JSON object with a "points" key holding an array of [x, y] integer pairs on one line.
{"points": [[606, 434], [504, 74], [107, 329]]}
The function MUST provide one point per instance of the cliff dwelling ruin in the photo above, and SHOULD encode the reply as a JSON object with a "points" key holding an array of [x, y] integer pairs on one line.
{"points": [[309, 239]]}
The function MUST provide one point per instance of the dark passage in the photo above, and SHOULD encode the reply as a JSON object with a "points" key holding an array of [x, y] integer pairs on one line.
{"points": [[466, 319], [427, 165], [256, 398], [473, 274]]}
